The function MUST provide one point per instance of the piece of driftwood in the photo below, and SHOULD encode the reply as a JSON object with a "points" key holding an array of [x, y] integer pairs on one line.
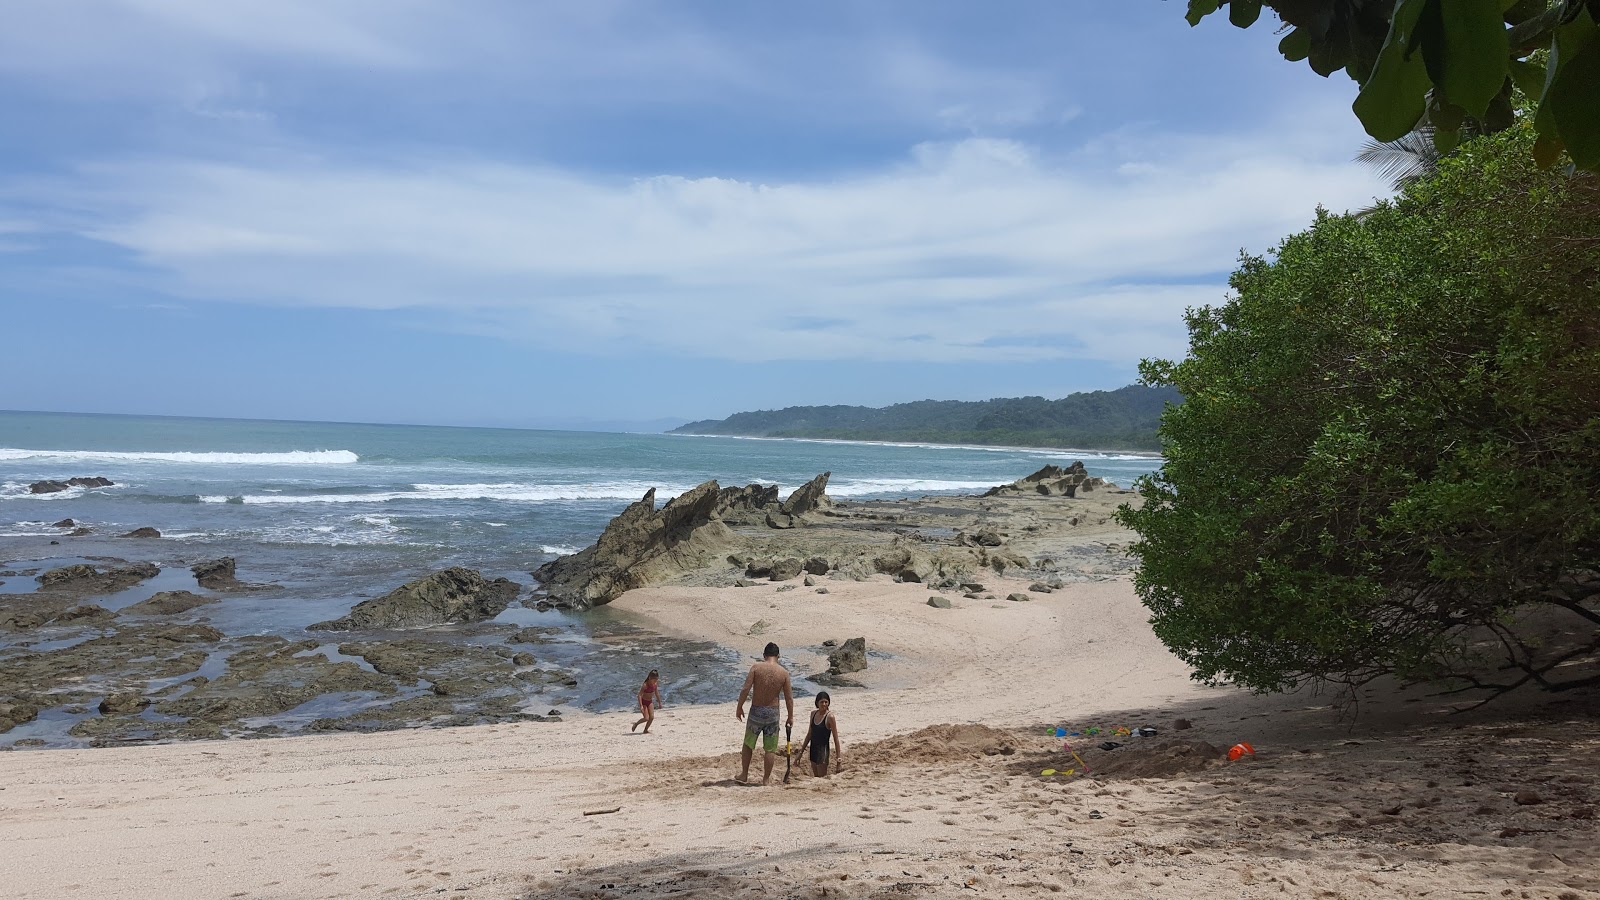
{"points": [[601, 812]]}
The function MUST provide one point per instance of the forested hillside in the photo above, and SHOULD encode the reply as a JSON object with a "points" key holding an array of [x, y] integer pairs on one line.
{"points": [[1124, 419]]}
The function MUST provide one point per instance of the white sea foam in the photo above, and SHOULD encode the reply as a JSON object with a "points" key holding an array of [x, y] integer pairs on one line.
{"points": [[514, 492], [557, 550], [902, 486], [17, 490], [289, 458]]}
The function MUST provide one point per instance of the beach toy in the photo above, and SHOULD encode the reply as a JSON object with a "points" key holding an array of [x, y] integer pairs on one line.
{"points": [[1240, 751], [1122, 732], [1061, 732], [1146, 731], [1091, 730]]}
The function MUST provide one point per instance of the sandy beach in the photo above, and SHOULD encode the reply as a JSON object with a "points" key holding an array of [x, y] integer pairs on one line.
{"points": [[941, 793]]}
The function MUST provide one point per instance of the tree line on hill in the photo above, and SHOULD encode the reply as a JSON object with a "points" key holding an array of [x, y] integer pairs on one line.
{"points": [[1123, 419]]}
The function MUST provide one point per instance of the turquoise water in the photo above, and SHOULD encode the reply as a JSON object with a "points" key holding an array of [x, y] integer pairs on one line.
{"points": [[338, 513]]}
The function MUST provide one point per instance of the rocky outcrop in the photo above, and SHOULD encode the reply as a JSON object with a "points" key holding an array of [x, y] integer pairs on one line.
{"points": [[168, 603], [87, 580], [454, 595], [124, 704], [14, 713], [1051, 481], [145, 532], [746, 505], [809, 497], [850, 656], [218, 575], [641, 546], [52, 487]]}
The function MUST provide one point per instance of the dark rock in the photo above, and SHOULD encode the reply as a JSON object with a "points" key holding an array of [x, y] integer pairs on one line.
{"points": [[822, 590], [124, 704], [809, 581], [812, 495], [816, 565], [168, 603], [16, 712], [47, 487], [1048, 481], [80, 532], [86, 613], [1018, 598], [145, 532], [454, 595], [851, 656], [745, 582], [829, 679], [1527, 798], [1182, 725], [939, 602], [785, 569], [641, 547], [96, 481], [533, 634], [905, 563], [86, 579], [65, 523], [1040, 587], [218, 575], [523, 659]]}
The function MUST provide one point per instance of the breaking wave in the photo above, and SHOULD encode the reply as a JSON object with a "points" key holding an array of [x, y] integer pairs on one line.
{"points": [[288, 458]]}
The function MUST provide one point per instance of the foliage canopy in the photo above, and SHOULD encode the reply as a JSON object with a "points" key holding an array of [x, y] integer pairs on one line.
{"points": [[1450, 62], [1390, 445]]}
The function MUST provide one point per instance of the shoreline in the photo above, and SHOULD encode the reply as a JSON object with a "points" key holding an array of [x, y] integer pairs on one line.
{"points": [[940, 789]]}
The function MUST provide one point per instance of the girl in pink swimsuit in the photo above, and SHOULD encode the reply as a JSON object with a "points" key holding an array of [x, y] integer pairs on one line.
{"points": [[650, 700]]}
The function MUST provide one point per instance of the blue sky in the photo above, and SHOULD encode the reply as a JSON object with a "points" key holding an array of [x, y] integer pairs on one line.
{"points": [[606, 213]]}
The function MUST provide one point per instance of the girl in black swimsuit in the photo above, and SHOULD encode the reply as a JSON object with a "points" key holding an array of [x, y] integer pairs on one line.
{"points": [[823, 727]]}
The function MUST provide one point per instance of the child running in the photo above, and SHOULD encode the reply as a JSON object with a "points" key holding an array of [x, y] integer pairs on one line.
{"points": [[650, 700], [823, 727]]}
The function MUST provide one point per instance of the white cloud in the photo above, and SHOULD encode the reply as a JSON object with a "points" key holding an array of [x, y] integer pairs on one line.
{"points": [[973, 249]]}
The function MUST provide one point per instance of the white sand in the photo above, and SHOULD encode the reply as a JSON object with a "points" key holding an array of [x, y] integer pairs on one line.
{"points": [[1407, 802]]}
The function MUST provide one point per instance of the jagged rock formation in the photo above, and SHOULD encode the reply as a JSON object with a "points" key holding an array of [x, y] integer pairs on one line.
{"points": [[641, 546], [645, 546], [454, 595], [1051, 481]]}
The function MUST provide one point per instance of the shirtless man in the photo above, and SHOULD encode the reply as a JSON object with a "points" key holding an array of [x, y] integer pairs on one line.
{"points": [[762, 686]]}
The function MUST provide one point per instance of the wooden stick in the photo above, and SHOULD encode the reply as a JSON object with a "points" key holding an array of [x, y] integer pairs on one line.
{"points": [[601, 812]]}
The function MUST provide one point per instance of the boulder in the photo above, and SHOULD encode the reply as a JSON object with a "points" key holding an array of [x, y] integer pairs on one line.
{"points": [[95, 481], [642, 546], [124, 704], [816, 565], [145, 532], [47, 487], [65, 523], [905, 563], [939, 602], [1040, 587], [218, 575], [454, 595], [785, 569], [1018, 598], [850, 656], [16, 712]]}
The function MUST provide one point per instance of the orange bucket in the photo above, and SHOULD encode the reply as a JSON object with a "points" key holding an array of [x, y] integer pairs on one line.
{"points": [[1239, 751]]}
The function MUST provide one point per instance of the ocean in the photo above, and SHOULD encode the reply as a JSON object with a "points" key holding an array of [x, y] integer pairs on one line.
{"points": [[338, 513]]}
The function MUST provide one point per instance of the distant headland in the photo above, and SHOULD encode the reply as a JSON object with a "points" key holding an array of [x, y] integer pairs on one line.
{"points": [[1123, 419]]}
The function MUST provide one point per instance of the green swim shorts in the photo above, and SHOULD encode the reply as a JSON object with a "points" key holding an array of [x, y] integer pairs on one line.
{"points": [[762, 722]]}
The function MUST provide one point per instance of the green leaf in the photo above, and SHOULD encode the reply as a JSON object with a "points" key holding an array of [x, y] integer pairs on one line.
{"points": [[1445, 140], [1392, 100], [1475, 54], [1199, 9], [1244, 13], [1296, 45], [1571, 102], [1529, 77]]}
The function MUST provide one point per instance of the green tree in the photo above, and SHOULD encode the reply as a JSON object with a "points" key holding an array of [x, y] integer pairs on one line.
{"points": [[1448, 62], [1390, 446]]}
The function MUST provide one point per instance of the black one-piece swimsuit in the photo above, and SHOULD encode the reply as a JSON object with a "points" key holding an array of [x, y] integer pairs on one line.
{"points": [[821, 734]]}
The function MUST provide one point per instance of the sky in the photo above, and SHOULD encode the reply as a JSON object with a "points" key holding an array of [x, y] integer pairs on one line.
{"points": [[630, 214]]}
